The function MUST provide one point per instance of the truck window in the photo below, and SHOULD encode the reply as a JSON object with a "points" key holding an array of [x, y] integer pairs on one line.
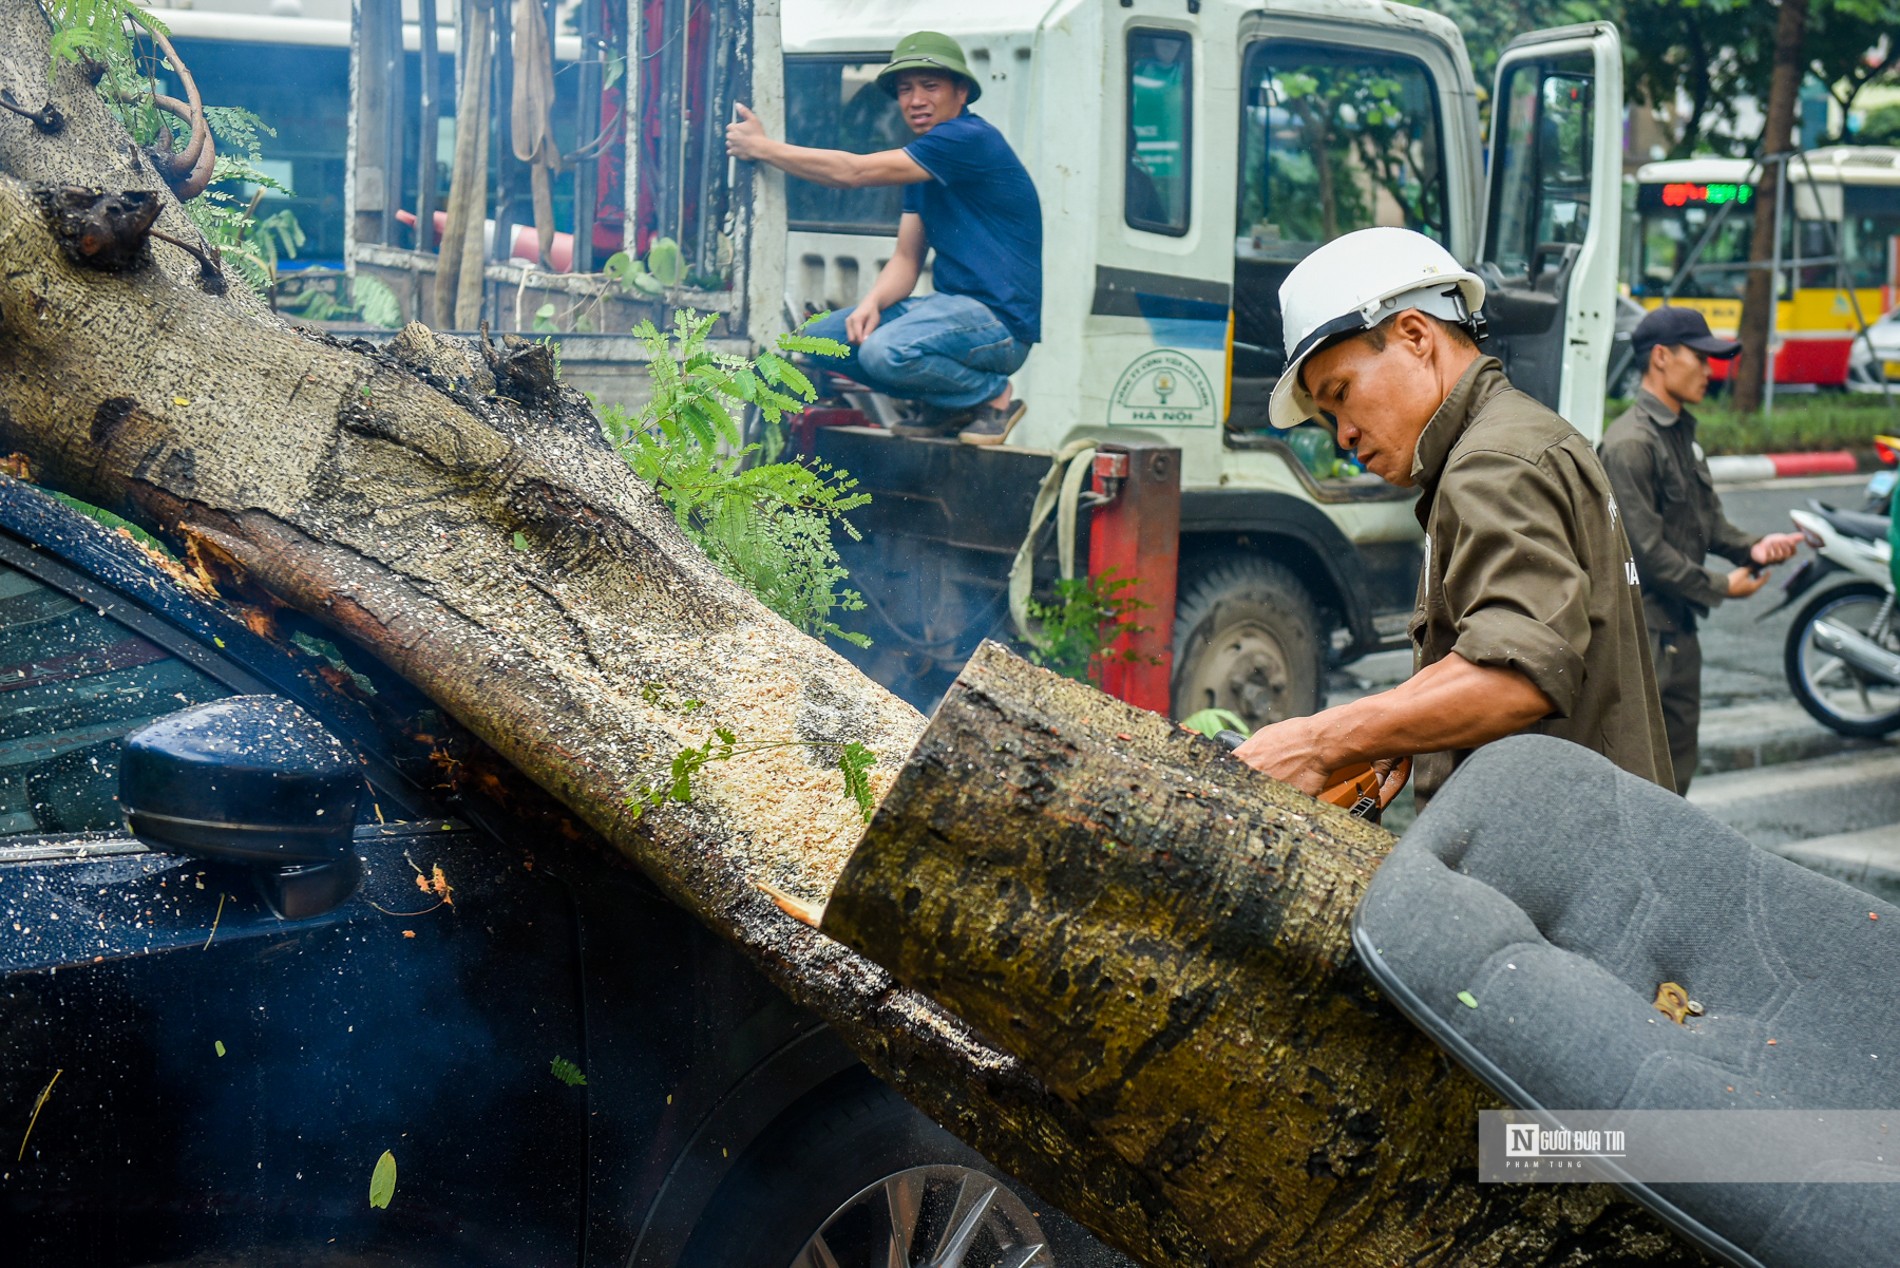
{"points": [[1542, 194], [1160, 131], [1332, 140], [835, 104]]}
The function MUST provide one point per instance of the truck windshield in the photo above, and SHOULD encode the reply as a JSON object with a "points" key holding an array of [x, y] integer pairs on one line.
{"points": [[1335, 139], [834, 103]]}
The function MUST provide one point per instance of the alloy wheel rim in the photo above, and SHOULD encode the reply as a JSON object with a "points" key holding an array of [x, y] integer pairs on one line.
{"points": [[938, 1216]]}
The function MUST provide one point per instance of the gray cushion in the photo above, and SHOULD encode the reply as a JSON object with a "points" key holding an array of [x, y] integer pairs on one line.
{"points": [[1560, 892]]}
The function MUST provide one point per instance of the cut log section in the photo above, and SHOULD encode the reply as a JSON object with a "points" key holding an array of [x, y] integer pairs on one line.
{"points": [[1161, 937]]}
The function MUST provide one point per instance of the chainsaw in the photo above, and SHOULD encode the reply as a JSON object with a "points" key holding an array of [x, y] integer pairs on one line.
{"points": [[1355, 789]]}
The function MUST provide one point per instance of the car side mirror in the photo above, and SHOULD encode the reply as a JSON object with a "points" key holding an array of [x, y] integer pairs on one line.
{"points": [[252, 780]]}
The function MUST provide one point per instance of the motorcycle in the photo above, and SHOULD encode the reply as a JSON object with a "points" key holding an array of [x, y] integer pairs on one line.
{"points": [[1842, 654]]}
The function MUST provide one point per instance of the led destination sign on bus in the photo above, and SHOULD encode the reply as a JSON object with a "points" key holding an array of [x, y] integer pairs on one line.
{"points": [[1685, 194]]}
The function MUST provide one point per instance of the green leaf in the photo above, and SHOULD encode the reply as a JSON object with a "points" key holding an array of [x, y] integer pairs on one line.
{"points": [[382, 1181], [217, 1046], [1211, 722], [567, 1072], [521, 541], [666, 262], [854, 761], [1467, 999], [624, 270]]}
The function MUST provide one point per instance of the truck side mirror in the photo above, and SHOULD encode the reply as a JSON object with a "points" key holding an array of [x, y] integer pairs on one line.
{"points": [[252, 780]]}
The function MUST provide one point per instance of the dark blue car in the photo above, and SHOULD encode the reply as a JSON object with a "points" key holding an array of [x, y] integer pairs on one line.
{"points": [[341, 953]]}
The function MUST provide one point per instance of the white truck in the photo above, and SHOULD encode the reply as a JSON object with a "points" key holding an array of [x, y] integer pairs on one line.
{"points": [[1187, 154]]}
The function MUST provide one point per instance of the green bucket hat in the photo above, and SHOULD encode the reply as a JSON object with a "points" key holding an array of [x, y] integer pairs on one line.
{"points": [[927, 50]]}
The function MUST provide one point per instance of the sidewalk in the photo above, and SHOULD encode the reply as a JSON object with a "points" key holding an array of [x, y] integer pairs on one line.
{"points": [[1748, 468]]}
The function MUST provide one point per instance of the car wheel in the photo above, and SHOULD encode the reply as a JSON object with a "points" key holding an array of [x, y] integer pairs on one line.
{"points": [[1247, 639], [857, 1178]]}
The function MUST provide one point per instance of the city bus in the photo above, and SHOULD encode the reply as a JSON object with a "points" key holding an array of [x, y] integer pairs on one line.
{"points": [[1840, 249]]}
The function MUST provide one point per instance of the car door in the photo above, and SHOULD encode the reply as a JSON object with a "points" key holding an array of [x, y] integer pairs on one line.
{"points": [[197, 1080], [1553, 215]]}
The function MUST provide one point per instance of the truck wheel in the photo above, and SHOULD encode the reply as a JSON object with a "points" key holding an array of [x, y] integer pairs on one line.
{"points": [[857, 1178], [1247, 639]]}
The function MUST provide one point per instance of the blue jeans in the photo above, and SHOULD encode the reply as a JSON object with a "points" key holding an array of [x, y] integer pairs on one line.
{"points": [[949, 351]]}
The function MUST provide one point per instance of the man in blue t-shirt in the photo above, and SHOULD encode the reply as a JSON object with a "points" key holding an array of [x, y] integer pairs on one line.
{"points": [[968, 197]]}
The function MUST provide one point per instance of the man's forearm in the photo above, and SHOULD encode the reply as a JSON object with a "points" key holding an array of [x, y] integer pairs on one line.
{"points": [[895, 281], [1453, 704], [834, 169]]}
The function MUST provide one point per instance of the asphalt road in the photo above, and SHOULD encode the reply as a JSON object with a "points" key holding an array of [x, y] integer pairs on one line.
{"points": [[1741, 653]]}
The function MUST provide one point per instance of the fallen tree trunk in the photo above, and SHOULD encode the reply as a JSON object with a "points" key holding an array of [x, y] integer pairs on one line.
{"points": [[1162, 936], [385, 494]]}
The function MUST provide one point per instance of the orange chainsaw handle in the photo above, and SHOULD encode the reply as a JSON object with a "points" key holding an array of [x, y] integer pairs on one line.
{"points": [[1354, 788], [1350, 783]]}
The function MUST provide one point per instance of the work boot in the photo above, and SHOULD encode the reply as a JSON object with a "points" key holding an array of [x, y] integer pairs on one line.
{"points": [[992, 425], [932, 422]]}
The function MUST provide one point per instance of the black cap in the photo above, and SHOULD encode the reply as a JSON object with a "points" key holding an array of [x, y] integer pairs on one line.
{"points": [[1667, 327]]}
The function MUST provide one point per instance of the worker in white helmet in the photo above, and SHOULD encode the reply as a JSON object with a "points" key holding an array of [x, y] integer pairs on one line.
{"points": [[1529, 618]]}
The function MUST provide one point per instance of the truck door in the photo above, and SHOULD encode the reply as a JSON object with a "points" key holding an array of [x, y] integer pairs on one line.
{"points": [[1553, 215], [1156, 334]]}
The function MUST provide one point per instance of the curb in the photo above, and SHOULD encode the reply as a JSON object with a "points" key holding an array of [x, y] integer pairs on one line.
{"points": [[1743, 468]]}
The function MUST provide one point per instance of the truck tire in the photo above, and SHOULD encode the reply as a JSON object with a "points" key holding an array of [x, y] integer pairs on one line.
{"points": [[857, 1166], [1247, 639]]}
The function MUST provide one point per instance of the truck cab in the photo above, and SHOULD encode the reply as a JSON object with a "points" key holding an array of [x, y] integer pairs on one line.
{"points": [[1187, 156]]}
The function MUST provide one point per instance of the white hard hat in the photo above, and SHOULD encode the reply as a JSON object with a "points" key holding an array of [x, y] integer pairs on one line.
{"points": [[1352, 284]]}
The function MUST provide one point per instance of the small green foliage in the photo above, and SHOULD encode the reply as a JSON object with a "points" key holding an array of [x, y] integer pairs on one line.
{"points": [[1467, 999], [327, 652], [544, 319], [382, 1181], [767, 525], [226, 213], [102, 31], [362, 298], [1211, 722], [631, 274], [854, 761], [666, 262], [217, 1046], [656, 694], [112, 521], [553, 346], [567, 1072], [676, 784], [521, 541], [1072, 635]]}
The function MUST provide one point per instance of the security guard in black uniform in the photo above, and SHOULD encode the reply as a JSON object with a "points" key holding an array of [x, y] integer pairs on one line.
{"points": [[1673, 518]]}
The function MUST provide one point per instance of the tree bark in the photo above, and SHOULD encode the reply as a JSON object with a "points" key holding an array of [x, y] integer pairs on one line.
{"points": [[1161, 935], [1759, 295], [383, 492]]}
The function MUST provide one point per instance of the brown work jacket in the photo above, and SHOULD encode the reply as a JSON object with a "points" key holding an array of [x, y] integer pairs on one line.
{"points": [[1526, 568], [1671, 514]]}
